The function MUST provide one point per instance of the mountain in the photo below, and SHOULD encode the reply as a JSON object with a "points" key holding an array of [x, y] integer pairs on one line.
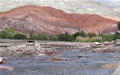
{"points": [[53, 21], [69, 6]]}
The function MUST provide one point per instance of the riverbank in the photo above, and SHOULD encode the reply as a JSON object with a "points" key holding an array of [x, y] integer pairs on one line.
{"points": [[23, 57], [38, 48]]}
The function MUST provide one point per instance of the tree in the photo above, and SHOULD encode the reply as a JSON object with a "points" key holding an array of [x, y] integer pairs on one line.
{"points": [[65, 37], [6, 34], [20, 36], [79, 34]]}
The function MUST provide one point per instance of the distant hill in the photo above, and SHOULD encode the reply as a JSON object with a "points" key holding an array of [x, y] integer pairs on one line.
{"points": [[70, 6], [53, 21]]}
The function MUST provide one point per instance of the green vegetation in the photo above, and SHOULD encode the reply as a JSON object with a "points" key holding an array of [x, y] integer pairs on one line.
{"points": [[88, 39], [79, 34], [118, 25], [19, 35], [9, 33], [65, 37]]}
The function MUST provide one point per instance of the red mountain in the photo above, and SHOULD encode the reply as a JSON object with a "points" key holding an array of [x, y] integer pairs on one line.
{"points": [[53, 21]]}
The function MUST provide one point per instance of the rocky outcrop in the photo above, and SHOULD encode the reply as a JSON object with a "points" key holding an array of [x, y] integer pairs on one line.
{"points": [[53, 21]]}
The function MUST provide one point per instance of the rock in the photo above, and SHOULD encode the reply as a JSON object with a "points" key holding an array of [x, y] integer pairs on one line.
{"points": [[108, 51], [27, 53], [37, 46], [94, 51], [30, 41], [6, 68], [117, 43], [40, 54], [97, 43], [1, 60], [58, 59], [106, 43], [110, 66], [80, 56], [49, 52], [118, 32]]}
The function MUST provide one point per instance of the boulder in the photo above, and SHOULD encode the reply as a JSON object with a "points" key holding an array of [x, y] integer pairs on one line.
{"points": [[1, 60]]}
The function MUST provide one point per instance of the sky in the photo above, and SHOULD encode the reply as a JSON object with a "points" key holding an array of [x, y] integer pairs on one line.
{"points": [[112, 3]]}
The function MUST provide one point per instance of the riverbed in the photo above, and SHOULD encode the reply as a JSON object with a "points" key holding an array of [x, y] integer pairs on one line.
{"points": [[79, 62]]}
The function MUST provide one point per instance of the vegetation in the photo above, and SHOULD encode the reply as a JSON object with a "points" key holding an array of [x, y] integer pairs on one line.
{"points": [[65, 37], [9, 33], [118, 25], [19, 35], [88, 39], [79, 34]]}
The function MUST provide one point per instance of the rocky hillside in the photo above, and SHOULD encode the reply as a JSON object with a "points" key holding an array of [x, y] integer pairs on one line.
{"points": [[69, 6], [53, 21]]}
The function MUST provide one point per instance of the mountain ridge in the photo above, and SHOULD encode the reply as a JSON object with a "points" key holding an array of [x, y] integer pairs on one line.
{"points": [[69, 6], [48, 19]]}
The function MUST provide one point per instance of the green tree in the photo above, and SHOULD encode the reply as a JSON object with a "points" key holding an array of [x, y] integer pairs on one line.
{"points": [[65, 37], [79, 34], [6, 34], [20, 36]]}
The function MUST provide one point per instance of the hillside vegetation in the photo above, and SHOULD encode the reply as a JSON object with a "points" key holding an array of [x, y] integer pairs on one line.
{"points": [[9, 33]]}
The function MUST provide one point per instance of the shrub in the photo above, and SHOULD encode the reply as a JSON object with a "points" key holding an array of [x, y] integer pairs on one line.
{"points": [[19, 35], [116, 36], [65, 37], [88, 39], [81, 39], [79, 34], [6, 33], [118, 25], [91, 35], [43, 37], [96, 39]]}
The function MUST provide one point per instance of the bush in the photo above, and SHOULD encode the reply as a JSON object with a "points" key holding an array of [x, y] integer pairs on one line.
{"points": [[20, 36], [79, 34], [91, 35], [65, 37], [116, 36], [118, 25], [7, 33], [81, 39], [43, 37], [88, 39]]}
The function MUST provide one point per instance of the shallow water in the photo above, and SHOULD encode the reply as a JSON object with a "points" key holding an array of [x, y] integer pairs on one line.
{"points": [[89, 64]]}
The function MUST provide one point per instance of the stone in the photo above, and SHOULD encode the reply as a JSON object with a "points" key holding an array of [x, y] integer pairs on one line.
{"points": [[1, 60], [58, 59], [50, 52], [108, 51], [80, 56], [6, 68], [110, 66], [106, 43]]}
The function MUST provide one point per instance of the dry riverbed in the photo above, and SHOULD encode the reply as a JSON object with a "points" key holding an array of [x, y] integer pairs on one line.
{"points": [[21, 57]]}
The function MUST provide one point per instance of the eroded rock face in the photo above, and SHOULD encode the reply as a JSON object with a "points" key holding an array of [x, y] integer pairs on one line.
{"points": [[53, 21]]}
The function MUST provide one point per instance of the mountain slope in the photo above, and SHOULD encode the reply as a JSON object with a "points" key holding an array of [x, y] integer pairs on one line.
{"points": [[69, 6], [53, 21]]}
